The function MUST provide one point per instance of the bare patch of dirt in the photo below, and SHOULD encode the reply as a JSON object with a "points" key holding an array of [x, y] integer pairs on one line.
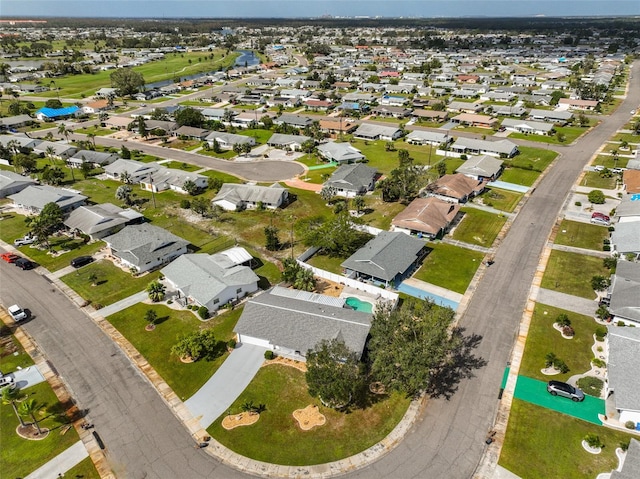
{"points": [[242, 419], [329, 288], [309, 417]]}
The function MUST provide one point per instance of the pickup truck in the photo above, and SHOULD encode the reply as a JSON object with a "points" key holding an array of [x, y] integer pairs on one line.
{"points": [[25, 240]]}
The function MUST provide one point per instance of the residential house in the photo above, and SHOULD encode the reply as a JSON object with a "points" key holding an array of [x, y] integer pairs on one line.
{"points": [[50, 114], [472, 119], [288, 142], [625, 239], [292, 322], [576, 104], [58, 149], [426, 217], [472, 146], [339, 152], [429, 115], [233, 197], [23, 142], [227, 141], [34, 197], [391, 111], [12, 122], [96, 107], [352, 180], [507, 110], [629, 209], [131, 171], [424, 137], [482, 168], [212, 280], [333, 128], [622, 295], [191, 133], [98, 221], [96, 159], [456, 188], [631, 181], [11, 183], [370, 131], [144, 247], [387, 258], [629, 462], [464, 107], [162, 179], [297, 121], [106, 93], [623, 365], [393, 100], [528, 127], [557, 117]]}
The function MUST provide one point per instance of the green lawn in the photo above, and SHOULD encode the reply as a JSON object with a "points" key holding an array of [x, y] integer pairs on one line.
{"points": [[542, 339], [450, 267], [608, 161], [536, 159], [327, 263], [12, 355], [385, 161], [113, 284], [277, 439], [181, 166], [541, 444], [96, 131], [500, 199], [593, 179], [261, 135], [19, 456], [581, 235], [571, 134], [379, 214], [479, 227], [84, 469], [519, 176], [571, 273], [224, 177], [184, 378]]}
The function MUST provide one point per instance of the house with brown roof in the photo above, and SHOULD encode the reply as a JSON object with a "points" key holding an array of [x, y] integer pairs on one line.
{"points": [[335, 127], [456, 188], [569, 104], [631, 181], [472, 119], [430, 217], [96, 106]]}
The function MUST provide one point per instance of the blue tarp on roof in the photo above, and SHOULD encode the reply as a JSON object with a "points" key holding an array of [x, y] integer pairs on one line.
{"points": [[56, 112]]}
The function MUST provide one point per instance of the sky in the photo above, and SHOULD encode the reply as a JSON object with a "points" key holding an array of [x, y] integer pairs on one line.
{"points": [[313, 8]]}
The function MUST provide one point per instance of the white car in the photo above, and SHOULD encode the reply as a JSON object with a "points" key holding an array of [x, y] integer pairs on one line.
{"points": [[25, 241], [6, 381], [17, 313]]}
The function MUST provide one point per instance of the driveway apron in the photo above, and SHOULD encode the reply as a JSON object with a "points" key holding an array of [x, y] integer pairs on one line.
{"points": [[535, 392], [224, 387]]}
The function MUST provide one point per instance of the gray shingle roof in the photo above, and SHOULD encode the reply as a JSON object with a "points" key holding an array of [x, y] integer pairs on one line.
{"points": [[371, 130], [386, 255], [204, 277], [340, 152], [625, 291], [140, 244], [90, 156], [626, 237], [501, 146], [237, 193], [623, 366], [96, 218], [356, 177], [280, 139], [300, 325], [37, 196], [480, 166]]}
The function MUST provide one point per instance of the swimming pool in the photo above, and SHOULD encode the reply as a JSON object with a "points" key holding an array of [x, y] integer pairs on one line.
{"points": [[359, 305]]}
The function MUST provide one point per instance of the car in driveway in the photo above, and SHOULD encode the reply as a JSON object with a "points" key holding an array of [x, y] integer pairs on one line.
{"points": [[600, 219], [24, 263], [9, 257], [17, 313], [6, 381], [558, 388], [81, 261]]}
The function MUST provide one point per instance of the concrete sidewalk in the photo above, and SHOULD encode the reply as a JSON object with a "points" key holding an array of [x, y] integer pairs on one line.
{"points": [[60, 464], [576, 304], [120, 305], [224, 387]]}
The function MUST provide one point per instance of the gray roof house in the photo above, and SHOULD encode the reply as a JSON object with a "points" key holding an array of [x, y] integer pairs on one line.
{"points": [[95, 158], [211, 280], [22, 141], [136, 170], [483, 167], [34, 197], [144, 247], [623, 294], [550, 115], [287, 142], [292, 322], [99, 221], [630, 464], [15, 121], [234, 196], [622, 371], [11, 183], [626, 238], [473, 146], [59, 149], [628, 209], [423, 137], [339, 152], [369, 131], [163, 178], [352, 180], [387, 257], [296, 121], [228, 140]]}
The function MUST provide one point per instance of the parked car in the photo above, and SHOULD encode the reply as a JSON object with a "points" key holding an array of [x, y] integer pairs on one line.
{"points": [[598, 168], [9, 257], [24, 263], [558, 388], [17, 313], [81, 261], [600, 219], [25, 240], [6, 381]]}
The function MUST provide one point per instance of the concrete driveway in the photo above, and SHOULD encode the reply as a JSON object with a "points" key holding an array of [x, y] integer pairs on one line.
{"points": [[224, 387]]}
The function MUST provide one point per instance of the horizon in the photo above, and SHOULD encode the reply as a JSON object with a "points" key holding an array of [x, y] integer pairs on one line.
{"points": [[310, 9]]}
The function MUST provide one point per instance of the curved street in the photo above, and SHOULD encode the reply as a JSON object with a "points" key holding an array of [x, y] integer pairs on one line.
{"points": [[144, 439]]}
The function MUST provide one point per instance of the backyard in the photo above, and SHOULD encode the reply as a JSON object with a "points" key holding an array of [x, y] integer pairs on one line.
{"points": [[276, 437], [450, 267], [183, 378], [571, 273]]}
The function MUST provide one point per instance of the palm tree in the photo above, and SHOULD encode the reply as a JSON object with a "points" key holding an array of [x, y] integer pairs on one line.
{"points": [[125, 176], [30, 408], [63, 130], [11, 396], [156, 291], [92, 137], [50, 154], [123, 193]]}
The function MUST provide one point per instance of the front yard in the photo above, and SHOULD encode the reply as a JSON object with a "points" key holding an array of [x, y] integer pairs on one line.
{"points": [[479, 227], [183, 378], [581, 235], [112, 284], [593, 179], [571, 273], [450, 267], [276, 437], [500, 199]]}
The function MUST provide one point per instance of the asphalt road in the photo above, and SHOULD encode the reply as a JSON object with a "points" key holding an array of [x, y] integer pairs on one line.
{"points": [[143, 438]]}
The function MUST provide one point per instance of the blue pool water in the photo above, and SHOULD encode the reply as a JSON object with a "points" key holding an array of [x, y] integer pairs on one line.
{"points": [[421, 294], [359, 305]]}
